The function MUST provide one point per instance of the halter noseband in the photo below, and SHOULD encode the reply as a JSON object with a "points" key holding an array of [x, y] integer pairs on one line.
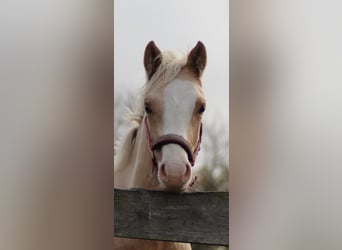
{"points": [[172, 139]]}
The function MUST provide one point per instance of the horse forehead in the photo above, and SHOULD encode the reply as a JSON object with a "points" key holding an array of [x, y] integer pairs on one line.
{"points": [[180, 92], [179, 101]]}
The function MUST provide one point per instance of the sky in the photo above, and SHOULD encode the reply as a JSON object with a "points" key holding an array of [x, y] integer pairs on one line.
{"points": [[174, 25]]}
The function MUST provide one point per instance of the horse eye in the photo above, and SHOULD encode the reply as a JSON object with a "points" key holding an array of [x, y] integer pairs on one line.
{"points": [[201, 109], [148, 110]]}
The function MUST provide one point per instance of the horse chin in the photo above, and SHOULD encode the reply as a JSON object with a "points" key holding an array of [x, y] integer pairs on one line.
{"points": [[173, 188]]}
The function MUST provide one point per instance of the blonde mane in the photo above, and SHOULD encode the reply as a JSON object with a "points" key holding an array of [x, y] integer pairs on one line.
{"points": [[168, 70]]}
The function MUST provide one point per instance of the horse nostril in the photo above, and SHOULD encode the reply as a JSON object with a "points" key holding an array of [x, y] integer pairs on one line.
{"points": [[162, 170], [187, 171]]}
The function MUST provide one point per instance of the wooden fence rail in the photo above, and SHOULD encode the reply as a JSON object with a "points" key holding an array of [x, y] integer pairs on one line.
{"points": [[200, 217]]}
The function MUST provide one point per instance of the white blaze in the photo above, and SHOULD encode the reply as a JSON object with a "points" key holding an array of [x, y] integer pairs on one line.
{"points": [[179, 101]]}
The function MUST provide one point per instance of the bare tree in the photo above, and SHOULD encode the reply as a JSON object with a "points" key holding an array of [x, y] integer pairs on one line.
{"points": [[214, 172]]}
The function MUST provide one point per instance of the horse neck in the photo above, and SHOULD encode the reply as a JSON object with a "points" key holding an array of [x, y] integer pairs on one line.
{"points": [[136, 170]]}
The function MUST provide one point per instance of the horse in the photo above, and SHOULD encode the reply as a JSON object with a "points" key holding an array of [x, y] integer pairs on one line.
{"points": [[160, 149]]}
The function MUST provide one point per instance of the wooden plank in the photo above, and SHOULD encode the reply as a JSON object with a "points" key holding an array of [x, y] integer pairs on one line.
{"points": [[200, 217]]}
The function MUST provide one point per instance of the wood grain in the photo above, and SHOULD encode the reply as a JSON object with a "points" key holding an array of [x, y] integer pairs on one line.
{"points": [[200, 217]]}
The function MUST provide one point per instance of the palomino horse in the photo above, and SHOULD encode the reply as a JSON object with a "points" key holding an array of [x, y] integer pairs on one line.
{"points": [[159, 151]]}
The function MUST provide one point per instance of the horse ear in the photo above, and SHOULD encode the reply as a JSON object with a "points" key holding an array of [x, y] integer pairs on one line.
{"points": [[197, 59], [152, 59]]}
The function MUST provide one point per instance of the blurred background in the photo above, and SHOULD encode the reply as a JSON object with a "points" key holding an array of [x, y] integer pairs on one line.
{"points": [[285, 124], [56, 136]]}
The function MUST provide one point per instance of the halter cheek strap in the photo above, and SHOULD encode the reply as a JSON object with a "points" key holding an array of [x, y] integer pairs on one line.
{"points": [[149, 139], [174, 139]]}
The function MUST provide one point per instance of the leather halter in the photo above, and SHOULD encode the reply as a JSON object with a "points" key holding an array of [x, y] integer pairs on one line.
{"points": [[172, 139]]}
